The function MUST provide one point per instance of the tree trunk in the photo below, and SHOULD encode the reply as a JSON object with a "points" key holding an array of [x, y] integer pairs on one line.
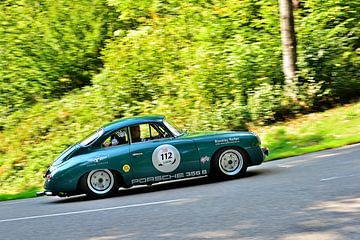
{"points": [[288, 43]]}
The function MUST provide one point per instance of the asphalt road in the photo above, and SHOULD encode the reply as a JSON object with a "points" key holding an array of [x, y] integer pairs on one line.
{"points": [[314, 196]]}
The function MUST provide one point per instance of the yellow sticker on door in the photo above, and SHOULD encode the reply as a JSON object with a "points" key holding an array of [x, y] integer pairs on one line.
{"points": [[126, 168]]}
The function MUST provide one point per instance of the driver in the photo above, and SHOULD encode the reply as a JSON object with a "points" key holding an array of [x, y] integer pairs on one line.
{"points": [[135, 133]]}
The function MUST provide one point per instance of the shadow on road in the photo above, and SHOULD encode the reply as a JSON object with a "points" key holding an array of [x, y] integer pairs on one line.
{"points": [[167, 185]]}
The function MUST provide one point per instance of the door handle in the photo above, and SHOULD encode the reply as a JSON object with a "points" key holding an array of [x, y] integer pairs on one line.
{"points": [[137, 154]]}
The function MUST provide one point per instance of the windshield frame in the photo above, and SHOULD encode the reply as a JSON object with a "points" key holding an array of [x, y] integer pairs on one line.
{"points": [[90, 139], [171, 128]]}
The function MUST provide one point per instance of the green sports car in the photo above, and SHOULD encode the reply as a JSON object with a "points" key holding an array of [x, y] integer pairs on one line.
{"points": [[147, 150]]}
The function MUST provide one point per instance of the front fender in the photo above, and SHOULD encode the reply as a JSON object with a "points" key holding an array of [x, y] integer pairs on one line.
{"points": [[208, 146]]}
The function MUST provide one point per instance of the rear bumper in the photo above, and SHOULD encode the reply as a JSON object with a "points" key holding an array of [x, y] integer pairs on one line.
{"points": [[265, 151], [47, 193], [59, 194]]}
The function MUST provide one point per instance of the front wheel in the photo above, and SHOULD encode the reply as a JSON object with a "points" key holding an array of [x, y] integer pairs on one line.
{"points": [[100, 183], [229, 163]]}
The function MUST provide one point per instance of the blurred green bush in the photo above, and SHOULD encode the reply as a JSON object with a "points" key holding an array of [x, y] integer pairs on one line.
{"points": [[49, 47]]}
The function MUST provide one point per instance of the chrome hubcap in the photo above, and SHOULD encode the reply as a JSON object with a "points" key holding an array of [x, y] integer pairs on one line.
{"points": [[231, 162], [100, 181]]}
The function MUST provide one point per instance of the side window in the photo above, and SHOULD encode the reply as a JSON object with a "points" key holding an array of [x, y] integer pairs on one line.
{"points": [[119, 137], [140, 133], [147, 132]]}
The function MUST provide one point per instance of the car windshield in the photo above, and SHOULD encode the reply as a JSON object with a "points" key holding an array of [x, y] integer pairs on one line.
{"points": [[172, 129], [91, 138]]}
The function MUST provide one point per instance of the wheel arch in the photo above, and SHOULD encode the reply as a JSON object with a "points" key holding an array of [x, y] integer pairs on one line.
{"points": [[246, 159], [114, 171], [231, 146]]}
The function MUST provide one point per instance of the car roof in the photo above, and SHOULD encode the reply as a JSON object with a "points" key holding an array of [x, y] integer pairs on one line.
{"points": [[124, 122]]}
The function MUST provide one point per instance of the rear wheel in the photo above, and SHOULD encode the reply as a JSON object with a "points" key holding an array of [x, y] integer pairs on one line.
{"points": [[100, 183], [229, 162]]}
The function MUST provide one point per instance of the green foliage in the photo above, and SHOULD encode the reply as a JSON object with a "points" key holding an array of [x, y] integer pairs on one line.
{"points": [[200, 54], [329, 52], [267, 101], [29, 145], [49, 47]]}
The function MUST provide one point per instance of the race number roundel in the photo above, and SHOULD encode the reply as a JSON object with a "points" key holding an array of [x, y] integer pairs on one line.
{"points": [[166, 158]]}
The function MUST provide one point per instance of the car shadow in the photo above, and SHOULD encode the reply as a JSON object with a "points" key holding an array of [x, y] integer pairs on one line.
{"points": [[183, 183], [141, 189]]}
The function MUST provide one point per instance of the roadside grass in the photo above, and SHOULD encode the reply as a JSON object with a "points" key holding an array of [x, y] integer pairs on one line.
{"points": [[312, 132], [307, 133], [29, 193]]}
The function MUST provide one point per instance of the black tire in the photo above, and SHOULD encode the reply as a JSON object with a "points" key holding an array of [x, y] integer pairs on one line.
{"points": [[228, 163], [100, 183]]}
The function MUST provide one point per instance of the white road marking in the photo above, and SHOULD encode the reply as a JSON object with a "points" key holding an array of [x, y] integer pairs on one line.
{"points": [[328, 155], [337, 177], [91, 210], [286, 165], [293, 163]]}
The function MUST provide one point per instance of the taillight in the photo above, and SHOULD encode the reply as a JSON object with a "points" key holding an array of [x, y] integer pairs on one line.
{"points": [[48, 177]]}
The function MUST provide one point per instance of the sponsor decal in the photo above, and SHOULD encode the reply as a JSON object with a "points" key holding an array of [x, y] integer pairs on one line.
{"points": [[166, 158], [168, 177], [204, 159], [97, 161], [99, 158], [126, 168], [227, 140]]}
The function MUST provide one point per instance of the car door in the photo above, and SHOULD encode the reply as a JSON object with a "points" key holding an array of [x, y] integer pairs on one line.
{"points": [[167, 158]]}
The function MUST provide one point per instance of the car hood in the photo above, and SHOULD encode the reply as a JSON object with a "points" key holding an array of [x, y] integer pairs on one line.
{"points": [[214, 134]]}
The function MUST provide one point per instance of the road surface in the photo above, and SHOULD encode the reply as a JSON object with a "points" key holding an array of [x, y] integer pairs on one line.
{"points": [[314, 196]]}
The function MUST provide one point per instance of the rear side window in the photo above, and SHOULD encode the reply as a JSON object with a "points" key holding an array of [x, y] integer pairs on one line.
{"points": [[119, 137]]}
